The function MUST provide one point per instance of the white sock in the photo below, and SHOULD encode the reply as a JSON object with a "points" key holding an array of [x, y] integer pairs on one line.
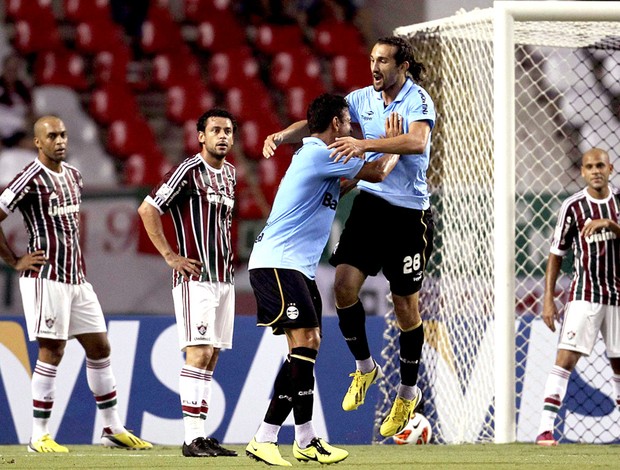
{"points": [[43, 388], [555, 390], [206, 398], [103, 385], [365, 366], [304, 433], [407, 391], [191, 391], [267, 432]]}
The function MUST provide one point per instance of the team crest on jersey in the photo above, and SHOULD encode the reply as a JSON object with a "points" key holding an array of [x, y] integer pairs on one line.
{"points": [[292, 311], [202, 329]]}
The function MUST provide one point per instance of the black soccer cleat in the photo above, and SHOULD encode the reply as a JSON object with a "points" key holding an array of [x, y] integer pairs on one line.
{"points": [[198, 448]]}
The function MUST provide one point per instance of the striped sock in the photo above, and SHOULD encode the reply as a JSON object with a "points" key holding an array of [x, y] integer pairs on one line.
{"points": [[103, 385], [206, 397], [43, 388], [555, 390], [191, 391]]}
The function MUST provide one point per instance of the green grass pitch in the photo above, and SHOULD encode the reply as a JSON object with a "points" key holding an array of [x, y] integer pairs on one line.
{"points": [[478, 456]]}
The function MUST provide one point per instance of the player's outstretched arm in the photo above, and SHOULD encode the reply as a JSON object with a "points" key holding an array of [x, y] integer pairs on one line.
{"points": [[155, 230], [413, 142], [550, 311], [292, 134]]}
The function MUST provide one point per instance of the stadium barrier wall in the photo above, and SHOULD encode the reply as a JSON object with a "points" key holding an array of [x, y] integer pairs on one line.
{"points": [[146, 362]]}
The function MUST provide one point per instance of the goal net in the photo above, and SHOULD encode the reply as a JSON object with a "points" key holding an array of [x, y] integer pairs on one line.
{"points": [[566, 100]]}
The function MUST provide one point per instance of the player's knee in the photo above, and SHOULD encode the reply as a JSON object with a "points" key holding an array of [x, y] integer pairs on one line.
{"points": [[345, 292]]}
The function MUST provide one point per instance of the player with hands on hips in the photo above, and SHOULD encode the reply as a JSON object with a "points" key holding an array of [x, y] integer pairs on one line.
{"points": [[587, 225]]}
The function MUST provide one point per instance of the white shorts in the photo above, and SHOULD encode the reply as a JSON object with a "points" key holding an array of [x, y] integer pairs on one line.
{"points": [[56, 310], [582, 322], [205, 313]]}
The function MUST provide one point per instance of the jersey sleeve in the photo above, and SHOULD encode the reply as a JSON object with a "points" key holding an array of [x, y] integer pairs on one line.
{"points": [[328, 167], [565, 231], [421, 108], [16, 190], [168, 190], [353, 100]]}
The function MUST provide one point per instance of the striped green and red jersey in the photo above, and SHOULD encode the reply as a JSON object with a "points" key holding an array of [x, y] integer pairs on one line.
{"points": [[50, 203], [596, 271], [200, 200]]}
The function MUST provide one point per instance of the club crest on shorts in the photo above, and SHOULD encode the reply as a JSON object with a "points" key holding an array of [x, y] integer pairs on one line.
{"points": [[292, 312], [49, 322], [202, 329]]}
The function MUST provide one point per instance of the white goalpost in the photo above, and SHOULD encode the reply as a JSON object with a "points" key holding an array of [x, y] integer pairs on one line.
{"points": [[521, 90]]}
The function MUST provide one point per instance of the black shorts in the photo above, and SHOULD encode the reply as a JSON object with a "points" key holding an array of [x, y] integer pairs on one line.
{"points": [[285, 299], [380, 236]]}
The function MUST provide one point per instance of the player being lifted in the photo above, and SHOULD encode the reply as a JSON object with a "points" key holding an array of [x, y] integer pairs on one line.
{"points": [[394, 215], [282, 273]]}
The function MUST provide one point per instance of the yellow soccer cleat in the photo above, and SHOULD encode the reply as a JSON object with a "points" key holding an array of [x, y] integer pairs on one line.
{"points": [[400, 414], [356, 394], [319, 451], [267, 452], [123, 440], [46, 444]]}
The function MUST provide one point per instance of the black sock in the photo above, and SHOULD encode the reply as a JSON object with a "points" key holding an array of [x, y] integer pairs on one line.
{"points": [[302, 381], [282, 400], [410, 352], [352, 323]]}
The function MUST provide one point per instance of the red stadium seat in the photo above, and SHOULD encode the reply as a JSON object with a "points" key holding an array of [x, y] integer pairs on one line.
{"points": [[299, 97], [100, 35], [246, 201], [191, 145], [129, 135], [232, 67], [175, 68], [272, 170], [112, 102], [60, 67], [251, 101], [111, 66], [144, 169], [294, 67], [334, 37], [349, 72], [38, 35], [78, 11], [253, 132], [197, 11], [188, 101], [160, 33], [270, 38], [28, 9], [220, 32]]}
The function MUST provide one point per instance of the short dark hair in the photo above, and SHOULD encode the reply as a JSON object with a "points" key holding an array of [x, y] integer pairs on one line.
{"points": [[404, 52], [201, 124], [323, 109]]}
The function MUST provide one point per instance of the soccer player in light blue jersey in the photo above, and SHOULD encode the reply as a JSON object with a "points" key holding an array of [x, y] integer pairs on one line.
{"points": [[282, 273], [396, 211]]}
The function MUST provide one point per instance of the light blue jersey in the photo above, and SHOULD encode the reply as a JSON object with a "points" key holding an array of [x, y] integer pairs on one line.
{"points": [[406, 185], [303, 211]]}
